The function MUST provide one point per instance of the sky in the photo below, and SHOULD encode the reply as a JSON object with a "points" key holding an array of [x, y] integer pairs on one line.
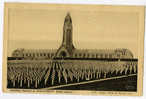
{"points": [[92, 29]]}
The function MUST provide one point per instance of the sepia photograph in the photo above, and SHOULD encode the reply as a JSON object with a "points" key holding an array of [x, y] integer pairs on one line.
{"points": [[73, 49]]}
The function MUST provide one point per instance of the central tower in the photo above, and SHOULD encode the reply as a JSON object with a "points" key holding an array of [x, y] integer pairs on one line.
{"points": [[66, 49]]}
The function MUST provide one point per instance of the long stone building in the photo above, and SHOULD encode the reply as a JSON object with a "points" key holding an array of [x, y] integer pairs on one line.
{"points": [[67, 49]]}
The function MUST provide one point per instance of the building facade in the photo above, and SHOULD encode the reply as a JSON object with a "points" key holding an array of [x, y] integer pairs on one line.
{"points": [[67, 49]]}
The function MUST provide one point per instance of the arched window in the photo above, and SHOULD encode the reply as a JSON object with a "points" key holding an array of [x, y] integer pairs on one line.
{"points": [[88, 55], [33, 54], [110, 55], [26, 54], [75, 55], [84, 55], [92, 55], [80, 54], [52, 54], [63, 54], [48, 55], [40, 54], [106, 56], [30, 54], [118, 55], [101, 56], [44, 54], [96, 55], [37, 54]]}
